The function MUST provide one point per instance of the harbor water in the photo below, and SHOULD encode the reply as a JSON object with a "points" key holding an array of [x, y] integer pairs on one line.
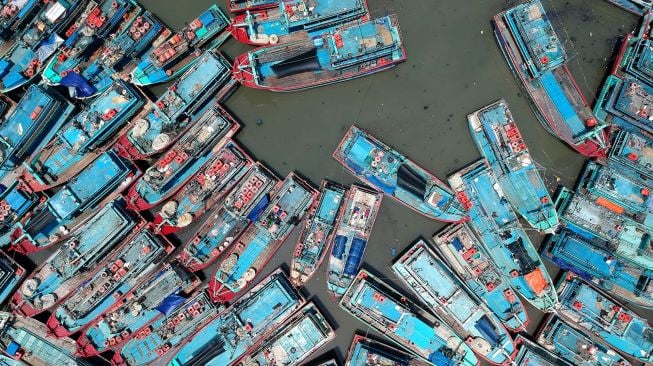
{"points": [[454, 67]]}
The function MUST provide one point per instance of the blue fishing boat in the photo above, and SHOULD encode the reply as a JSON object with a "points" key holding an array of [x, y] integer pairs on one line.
{"points": [[243, 325], [574, 346], [295, 20], [120, 55], [462, 249], [270, 227], [317, 232], [602, 219], [180, 51], [532, 354], [387, 170], [102, 181], [84, 137], [204, 190], [421, 270], [625, 103], [352, 234], [537, 58], [633, 151], [366, 351], [289, 345], [26, 343], [639, 7], [592, 311], [11, 274], [36, 118], [106, 20], [40, 40], [138, 255], [354, 50], [131, 317], [15, 15], [228, 220], [179, 108], [67, 268], [17, 202], [382, 308], [594, 261], [182, 319], [204, 141], [499, 140], [504, 239], [236, 6]]}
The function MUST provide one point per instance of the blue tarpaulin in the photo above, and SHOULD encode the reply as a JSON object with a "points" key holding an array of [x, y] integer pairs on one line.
{"points": [[339, 246], [355, 256], [12, 348], [486, 328], [260, 207], [169, 304], [79, 85]]}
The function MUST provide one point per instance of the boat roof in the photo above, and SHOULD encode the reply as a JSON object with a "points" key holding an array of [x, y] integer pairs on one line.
{"points": [[634, 151]]}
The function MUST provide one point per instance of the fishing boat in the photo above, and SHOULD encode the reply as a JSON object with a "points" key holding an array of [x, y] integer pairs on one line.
{"points": [[633, 151], [67, 268], [574, 346], [421, 270], [270, 227], [11, 274], [102, 181], [504, 239], [120, 55], [84, 137], [201, 144], [35, 45], [182, 319], [499, 140], [368, 351], [131, 316], [137, 256], [37, 117], [106, 21], [599, 219], [15, 15], [638, 7], [625, 103], [295, 20], [229, 219], [466, 255], [294, 341], [259, 313], [17, 203], [237, 6], [25, 342], [317, 232], [537, 58], [204, 190], [352, 233], [387, 170], [178, 108], [325, 59], [179, 52], [382, 308], [594, 312], [532, 354], [594, 261]]}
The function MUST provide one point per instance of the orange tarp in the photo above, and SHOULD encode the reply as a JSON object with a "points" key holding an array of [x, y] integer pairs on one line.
{"points": [[536, 281], [610, 205]]}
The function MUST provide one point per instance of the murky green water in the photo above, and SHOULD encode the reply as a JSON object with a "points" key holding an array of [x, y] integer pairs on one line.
{"points": [[454, 67]]}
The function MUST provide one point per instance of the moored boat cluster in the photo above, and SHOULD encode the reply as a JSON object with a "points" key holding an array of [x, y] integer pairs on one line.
{"points": [[103, 177]]}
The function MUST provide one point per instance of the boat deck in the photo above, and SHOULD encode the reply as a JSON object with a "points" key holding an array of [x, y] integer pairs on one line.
{"points": [[626, 103], [633, 151], [364, 350], [532, 354], [11, 273], [18, 201]]}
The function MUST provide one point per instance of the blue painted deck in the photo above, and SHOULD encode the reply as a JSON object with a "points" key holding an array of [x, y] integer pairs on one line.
{"points": [[11, 273], [601, 316], [576, 347], [260, 311], [18, 202], [15, 15], [498, 139], [537, 40], [36, 118], [462, 249], [633, 151], [448, 298], [499, 229], [595, 262], [87, 131], [85, 248], [183, 44], [124, 269], [387, 170], [140, 308], [639, 60], [532, 354], [364, 350], [573, 121], [625, 102]]}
